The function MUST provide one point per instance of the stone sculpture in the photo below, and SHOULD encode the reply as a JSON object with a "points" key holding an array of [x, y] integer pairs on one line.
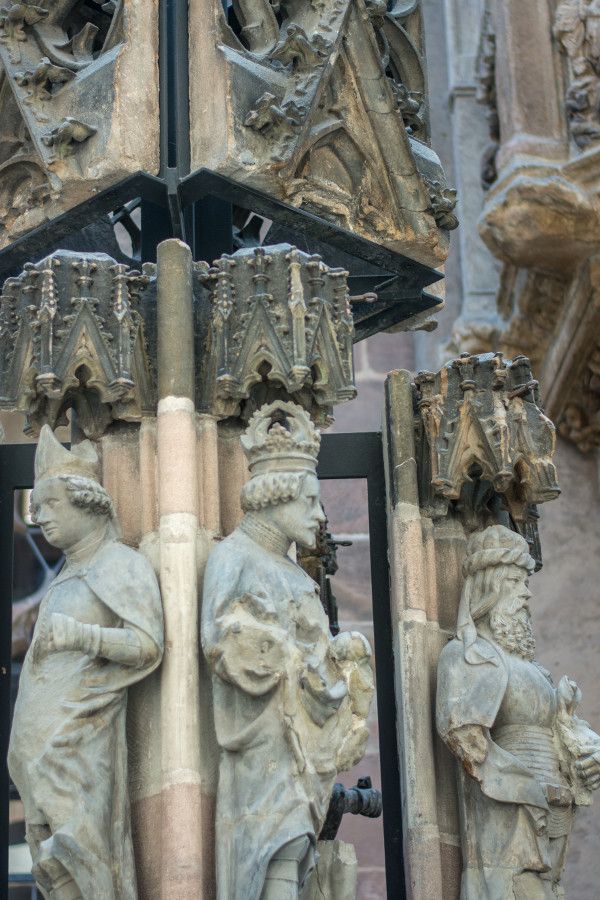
{"points": [[99, 630], [290, 701], [527, 761]]}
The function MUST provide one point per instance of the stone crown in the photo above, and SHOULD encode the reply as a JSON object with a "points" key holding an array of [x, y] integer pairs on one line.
{"points": [[281, 437]]}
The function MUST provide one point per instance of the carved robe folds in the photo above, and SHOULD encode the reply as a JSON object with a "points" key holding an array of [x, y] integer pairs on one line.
{"points": [[290, 704], [68, 753]]}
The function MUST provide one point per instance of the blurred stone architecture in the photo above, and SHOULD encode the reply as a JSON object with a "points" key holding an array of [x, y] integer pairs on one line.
{"points": [[328, 133]]}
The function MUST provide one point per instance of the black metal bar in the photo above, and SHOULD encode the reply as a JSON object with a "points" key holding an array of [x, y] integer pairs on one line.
{"points": [[213, 228], [36, 243], [361, 456], [16, 471], [203, 182], [174, 87]]}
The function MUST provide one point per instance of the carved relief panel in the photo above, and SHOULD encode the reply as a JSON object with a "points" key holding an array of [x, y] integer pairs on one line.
{"points": [[78, 104], [324, 106]]}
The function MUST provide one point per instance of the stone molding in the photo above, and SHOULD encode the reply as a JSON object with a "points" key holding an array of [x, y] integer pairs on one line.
{"points": [[72, 334]]}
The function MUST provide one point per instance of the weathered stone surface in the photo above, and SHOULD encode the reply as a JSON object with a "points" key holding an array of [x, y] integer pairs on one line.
{"points": [[72, 334], [281, 322], [79, 330], [335, 873], [482, 432], [275, 664], [527, 760], [99, 631], [323, 106], [78, 104]]}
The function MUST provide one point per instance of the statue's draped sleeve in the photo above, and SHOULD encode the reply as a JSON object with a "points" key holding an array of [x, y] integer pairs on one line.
{"points": [[470, 695]]}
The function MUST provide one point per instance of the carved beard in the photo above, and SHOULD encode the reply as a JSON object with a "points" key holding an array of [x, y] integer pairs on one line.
{"points": [[512, 630]]}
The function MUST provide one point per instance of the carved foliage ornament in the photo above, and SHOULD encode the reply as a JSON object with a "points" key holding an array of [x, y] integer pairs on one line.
{"points": [[71, 333], [282, 318], [480, 421], [65, 85], [329, 112]]}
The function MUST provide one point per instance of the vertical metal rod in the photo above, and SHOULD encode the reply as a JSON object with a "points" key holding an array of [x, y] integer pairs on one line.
{"points": [[16, 471], [360, 455], [6, 577], [384, 668]]}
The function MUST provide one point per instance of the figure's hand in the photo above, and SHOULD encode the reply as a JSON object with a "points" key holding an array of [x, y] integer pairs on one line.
{"points": [[569, 695], [65, 633], [539, 817], [588, 769]]}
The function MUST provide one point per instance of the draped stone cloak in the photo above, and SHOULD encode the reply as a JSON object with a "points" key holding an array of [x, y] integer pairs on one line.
{"points": [[279, 704], [499, 839], [68, 753]]}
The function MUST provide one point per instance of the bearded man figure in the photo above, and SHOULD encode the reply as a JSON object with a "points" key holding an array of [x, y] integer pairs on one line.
{"points": [[526, 760], [290, 701], [99, 630]]}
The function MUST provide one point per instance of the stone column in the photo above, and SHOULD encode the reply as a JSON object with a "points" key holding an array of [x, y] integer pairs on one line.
{"points": [[413, 611], [529, 91], [182, 833], [476, 328]]}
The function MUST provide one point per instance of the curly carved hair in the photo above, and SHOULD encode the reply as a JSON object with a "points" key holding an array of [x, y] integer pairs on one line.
{"points": [[270, 489], [88, 494]]}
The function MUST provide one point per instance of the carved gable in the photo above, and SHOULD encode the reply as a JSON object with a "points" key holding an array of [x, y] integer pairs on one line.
{"points": [[324, 106], [72, 120]]}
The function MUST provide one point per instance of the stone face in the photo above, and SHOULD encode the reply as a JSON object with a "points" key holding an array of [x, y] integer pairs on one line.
{"points": [[99, 630], [527, 760], [323, 106], [290, 701], [78, 102]]}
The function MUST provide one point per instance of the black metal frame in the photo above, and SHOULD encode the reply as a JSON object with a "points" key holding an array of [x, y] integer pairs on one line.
{"points": [[342, 456], [360, 455], [16, 471]]}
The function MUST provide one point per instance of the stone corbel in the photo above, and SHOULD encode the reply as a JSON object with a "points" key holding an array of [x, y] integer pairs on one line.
{"points": [[72, 334], [481, 433], [281, 325]]}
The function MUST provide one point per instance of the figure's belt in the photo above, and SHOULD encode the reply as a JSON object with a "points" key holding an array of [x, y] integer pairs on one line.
{"points": [[534, 746]]}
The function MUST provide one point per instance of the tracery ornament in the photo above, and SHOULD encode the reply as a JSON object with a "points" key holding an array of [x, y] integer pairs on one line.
{"points": [[66, 91]]}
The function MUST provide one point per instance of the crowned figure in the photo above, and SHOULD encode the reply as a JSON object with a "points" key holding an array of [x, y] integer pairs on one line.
{"points": [[527, 761], [99, 630], [290, 701]]}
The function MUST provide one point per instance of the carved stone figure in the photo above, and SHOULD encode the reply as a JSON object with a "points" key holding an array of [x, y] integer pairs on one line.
{"points": [[577, 29], [527, 761], [99, 630], [290, 701]]}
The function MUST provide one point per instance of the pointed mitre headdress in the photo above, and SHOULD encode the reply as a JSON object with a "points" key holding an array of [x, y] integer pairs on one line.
{"points": [[52, 459], [281, 438], [495, 546]]}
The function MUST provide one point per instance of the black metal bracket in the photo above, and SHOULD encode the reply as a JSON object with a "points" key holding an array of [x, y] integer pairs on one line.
{"points": [[179, 207]]}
